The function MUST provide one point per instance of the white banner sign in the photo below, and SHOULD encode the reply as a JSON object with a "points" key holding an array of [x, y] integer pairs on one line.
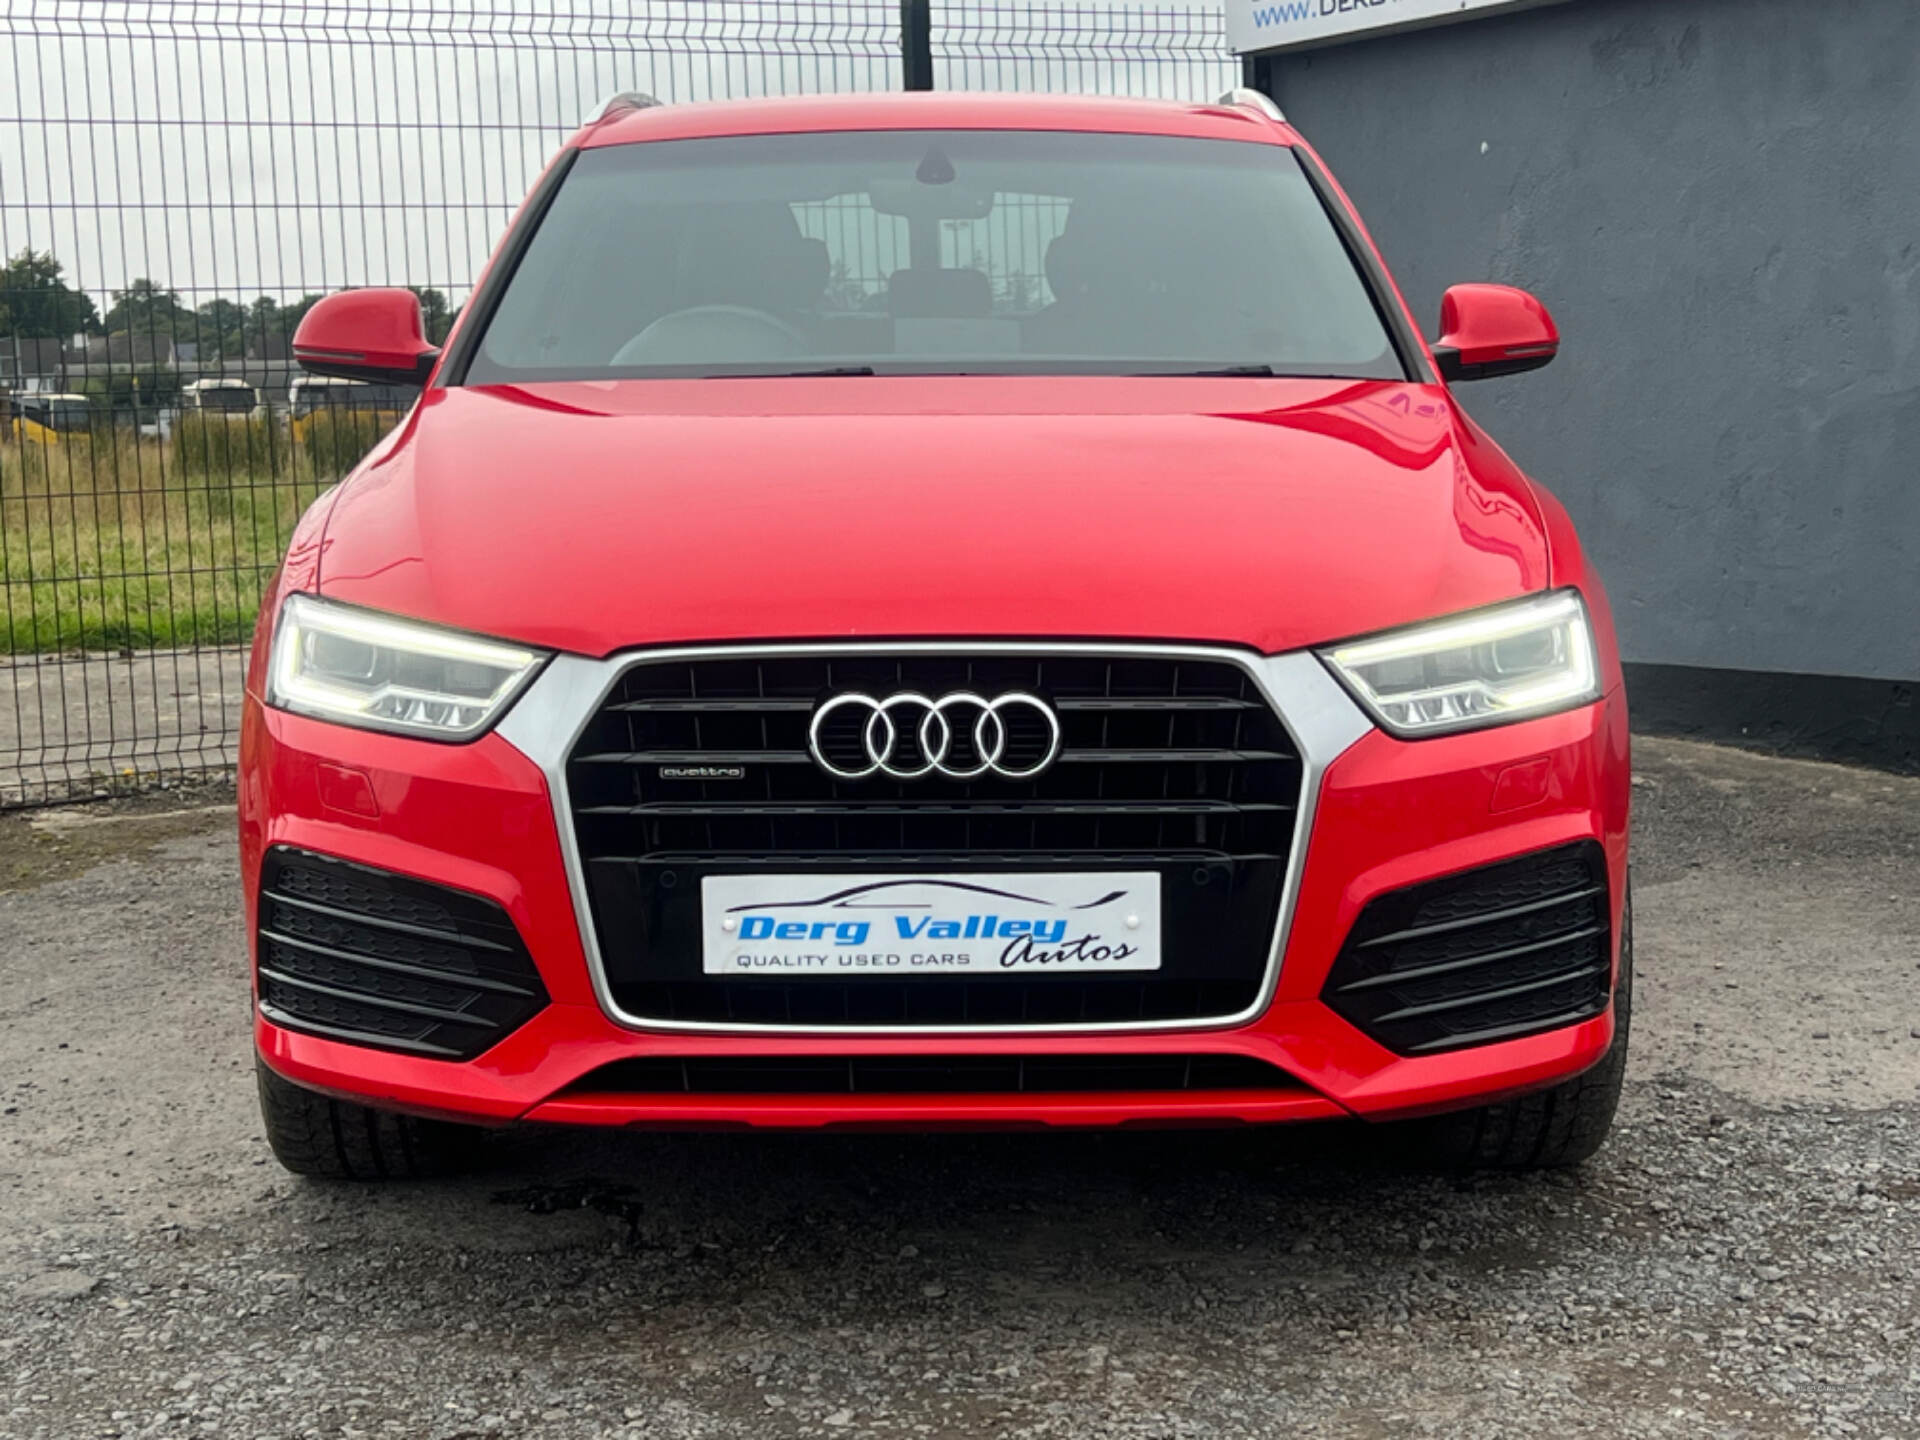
{"points": [[1283, 24]]}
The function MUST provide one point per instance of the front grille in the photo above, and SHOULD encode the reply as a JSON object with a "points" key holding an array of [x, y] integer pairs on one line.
{"points": [[1175, 765], [933, 1075], [359, 954], [1493, 954]]}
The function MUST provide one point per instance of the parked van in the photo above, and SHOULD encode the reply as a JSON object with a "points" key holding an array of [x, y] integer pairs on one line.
{"points": [[49, 419], [230, 397]]}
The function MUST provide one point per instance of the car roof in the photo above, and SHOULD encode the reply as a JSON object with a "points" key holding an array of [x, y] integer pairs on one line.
{"points": [[934, 110]]}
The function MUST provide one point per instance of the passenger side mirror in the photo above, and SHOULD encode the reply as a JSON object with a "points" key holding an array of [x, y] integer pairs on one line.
{"points": [[1492, 330], [375, 335]]}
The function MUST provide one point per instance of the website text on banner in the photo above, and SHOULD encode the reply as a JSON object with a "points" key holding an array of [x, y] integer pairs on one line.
{"points": [[1281, 24]]}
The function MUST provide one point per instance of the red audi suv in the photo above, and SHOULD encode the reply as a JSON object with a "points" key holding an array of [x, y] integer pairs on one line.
{"points": [[935, 610]]}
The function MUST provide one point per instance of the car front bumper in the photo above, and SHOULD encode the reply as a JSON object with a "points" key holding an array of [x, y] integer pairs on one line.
{"points": [[1383, 814]]}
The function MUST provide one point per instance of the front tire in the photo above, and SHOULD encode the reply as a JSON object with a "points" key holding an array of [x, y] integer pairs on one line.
{"points": [[315, 1135], [1551, 1129]]}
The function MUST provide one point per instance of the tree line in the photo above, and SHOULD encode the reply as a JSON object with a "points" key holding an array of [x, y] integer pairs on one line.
{"points": [[37, 303]]}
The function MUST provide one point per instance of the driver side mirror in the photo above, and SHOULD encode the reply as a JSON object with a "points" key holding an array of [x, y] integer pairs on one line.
{"points": [[1492, 330], [374, 335]]}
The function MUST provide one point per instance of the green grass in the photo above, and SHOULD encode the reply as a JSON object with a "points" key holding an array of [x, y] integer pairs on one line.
{"points": [[111, 543]]}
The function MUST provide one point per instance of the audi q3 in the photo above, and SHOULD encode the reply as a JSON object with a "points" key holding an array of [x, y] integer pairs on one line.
{"points": [[935, 610]]}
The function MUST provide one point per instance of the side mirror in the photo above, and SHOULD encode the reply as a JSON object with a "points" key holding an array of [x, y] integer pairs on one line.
{"points": [[1492, 330], [374, 335]]}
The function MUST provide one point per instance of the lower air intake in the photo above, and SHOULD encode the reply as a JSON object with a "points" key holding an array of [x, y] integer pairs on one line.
{"points": [[933, 1075], [363, 955], [1492, 954]]}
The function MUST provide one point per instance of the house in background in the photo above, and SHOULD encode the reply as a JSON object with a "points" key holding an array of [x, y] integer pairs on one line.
{"points": [[29, 365], [269, 367], [30, 362]]}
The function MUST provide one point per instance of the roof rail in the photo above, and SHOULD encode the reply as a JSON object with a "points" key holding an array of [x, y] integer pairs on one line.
{"points": [[1253, 100], [621, 100]]}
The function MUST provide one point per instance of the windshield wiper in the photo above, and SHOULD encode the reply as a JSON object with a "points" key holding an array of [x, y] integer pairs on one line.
{"points": [[827, 371], [1224, 372]]}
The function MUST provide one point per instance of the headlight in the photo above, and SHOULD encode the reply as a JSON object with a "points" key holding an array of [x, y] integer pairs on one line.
{"points": [[382, 673], [1508, 663]]}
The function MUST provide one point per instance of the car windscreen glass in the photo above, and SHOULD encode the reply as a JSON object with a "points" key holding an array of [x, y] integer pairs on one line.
{"points": [[931, 252], [227, 398]]}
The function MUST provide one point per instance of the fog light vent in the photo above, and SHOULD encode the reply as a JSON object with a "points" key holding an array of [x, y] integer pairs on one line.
{"points": [[363, 955], [1492, 954]]}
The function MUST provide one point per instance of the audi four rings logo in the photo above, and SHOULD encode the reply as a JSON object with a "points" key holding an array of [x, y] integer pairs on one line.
{"points": [[962, 736]]}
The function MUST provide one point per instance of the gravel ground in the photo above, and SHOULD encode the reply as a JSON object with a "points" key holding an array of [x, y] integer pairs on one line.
{"points": [[1740, 1261]]}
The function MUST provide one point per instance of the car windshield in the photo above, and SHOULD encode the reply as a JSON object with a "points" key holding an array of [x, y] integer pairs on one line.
{"points": [[935, 252], [226, 397]]}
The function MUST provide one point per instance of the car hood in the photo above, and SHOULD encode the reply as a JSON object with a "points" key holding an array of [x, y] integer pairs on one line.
{"points": [[592, 517]]}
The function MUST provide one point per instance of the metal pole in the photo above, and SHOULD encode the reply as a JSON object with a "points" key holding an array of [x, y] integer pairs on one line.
{"points": [[916, 44], [1257, 73]]}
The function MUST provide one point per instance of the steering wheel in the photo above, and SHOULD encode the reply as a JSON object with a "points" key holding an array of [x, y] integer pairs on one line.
{"points": [[712, 334]]}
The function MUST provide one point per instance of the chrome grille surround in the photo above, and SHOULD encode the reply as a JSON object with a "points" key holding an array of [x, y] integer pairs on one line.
{"points": [[548, 721]]}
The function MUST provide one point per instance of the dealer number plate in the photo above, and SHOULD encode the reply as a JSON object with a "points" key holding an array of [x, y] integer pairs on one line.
{"points": [[793, 926]]}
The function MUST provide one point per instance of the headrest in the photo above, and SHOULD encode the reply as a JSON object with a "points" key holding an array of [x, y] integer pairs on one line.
{"points": [[939, 295], [1097, 248], [802, 269], [749, 255], [1063, 264]]}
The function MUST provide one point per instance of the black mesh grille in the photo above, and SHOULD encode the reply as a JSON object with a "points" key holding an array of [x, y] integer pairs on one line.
{"points": [[1494, 954], [934, 1075], [1172, 765], [359, 954]]}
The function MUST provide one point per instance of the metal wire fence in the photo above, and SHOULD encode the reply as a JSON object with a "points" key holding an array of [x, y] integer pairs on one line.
{"points": [[180, 181], [1166, 51]]}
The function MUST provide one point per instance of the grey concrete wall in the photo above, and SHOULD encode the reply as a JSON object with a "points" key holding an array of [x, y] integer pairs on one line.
{"points": [[1720, 201]]}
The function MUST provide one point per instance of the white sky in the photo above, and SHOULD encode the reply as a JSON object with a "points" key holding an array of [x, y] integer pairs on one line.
{"points": [[234, 147]]}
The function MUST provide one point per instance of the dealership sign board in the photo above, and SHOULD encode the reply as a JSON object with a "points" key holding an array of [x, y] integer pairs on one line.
{"points": [[1283, 24]]}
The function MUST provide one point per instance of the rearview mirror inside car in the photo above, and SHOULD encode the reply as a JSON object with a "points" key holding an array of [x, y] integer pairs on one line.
{"points": [[1492, 330], [916, 200]]}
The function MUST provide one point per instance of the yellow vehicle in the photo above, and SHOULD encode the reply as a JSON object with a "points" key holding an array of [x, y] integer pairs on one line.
{"points": [[49, 419], [313, 395]]}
